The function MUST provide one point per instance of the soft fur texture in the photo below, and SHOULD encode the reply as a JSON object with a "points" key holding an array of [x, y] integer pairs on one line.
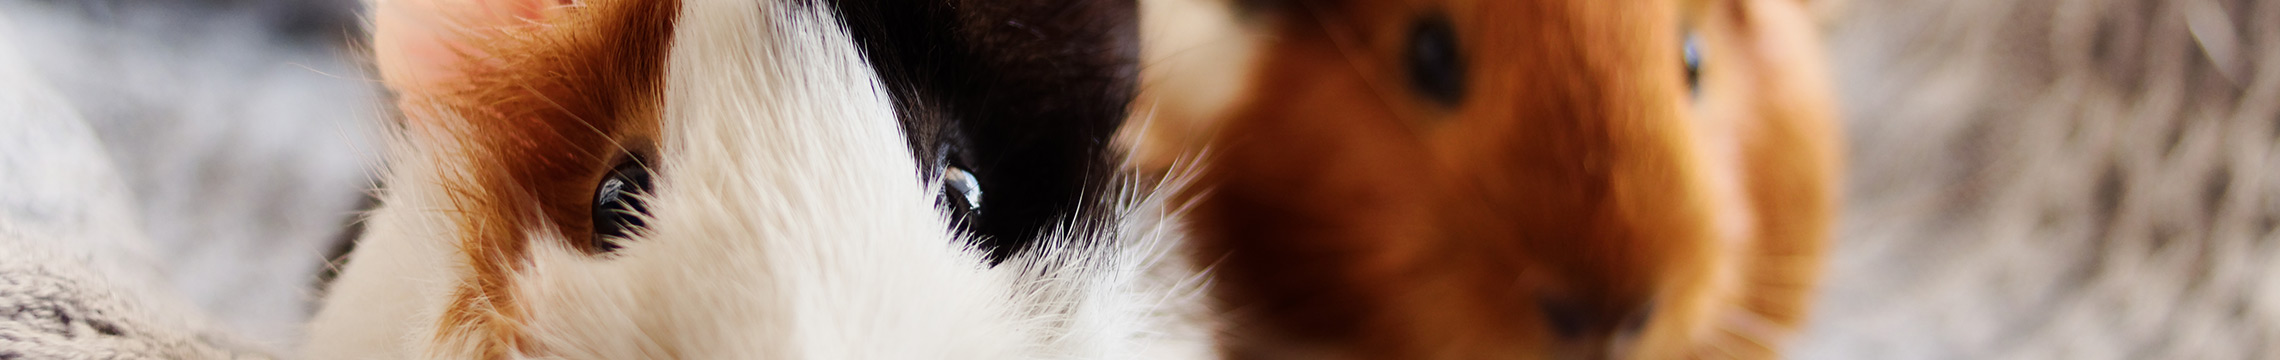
{"points": [[1570, 199], [791, 218]]}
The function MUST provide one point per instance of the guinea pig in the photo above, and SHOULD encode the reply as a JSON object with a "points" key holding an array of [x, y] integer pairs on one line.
{"points": [[755, 179], [1531, 179]]}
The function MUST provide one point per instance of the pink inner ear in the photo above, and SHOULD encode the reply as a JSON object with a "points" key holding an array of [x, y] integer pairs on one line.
{"points": [[420, 44]]}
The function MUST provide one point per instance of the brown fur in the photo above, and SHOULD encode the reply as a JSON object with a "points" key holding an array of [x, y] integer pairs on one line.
{"points": [[533, 118], [1354, 218]]}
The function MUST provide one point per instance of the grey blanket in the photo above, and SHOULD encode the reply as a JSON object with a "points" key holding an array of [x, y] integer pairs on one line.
{"points": [[77, 277], [237, 127]]}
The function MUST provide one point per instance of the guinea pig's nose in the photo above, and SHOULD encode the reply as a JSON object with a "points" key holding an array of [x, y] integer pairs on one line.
{"points": [[1617, 322], [1636, 322], [1567, 318], [1629, 330]]}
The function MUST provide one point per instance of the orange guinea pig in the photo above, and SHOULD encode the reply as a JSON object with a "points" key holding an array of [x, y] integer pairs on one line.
{"points": [[1430, 179]]}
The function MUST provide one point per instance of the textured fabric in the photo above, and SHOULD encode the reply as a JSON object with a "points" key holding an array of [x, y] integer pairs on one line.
{"points": [[77, 278], [54, 306], [2047, 179], [240, 127]]}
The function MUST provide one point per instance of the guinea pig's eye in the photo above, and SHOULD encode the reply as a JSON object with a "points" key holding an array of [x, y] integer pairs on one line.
{"points": [[1692, 46], [1436, 64], [619, 204], [961, 193]]}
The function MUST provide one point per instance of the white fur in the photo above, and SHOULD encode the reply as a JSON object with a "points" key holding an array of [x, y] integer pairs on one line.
{"points": [[789, 222]]}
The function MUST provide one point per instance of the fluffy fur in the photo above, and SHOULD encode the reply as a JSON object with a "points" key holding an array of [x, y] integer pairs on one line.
{"points": [[790, 217], [1575, 202]]}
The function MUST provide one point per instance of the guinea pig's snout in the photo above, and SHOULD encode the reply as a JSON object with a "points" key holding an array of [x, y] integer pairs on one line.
{"points": [[1594, 330]]}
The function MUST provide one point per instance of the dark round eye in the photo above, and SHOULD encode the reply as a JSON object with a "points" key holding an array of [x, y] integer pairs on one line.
{"points": [[961, 193], [1693, 51], [1436, 64], [619, 205]]}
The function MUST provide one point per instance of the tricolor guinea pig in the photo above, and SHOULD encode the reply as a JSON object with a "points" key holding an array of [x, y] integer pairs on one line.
{"points": [[1429, 179], [752, 179]]}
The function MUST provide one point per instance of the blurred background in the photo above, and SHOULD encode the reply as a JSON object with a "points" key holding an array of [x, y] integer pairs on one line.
{"points": [[243, 127], [2076, 179]]}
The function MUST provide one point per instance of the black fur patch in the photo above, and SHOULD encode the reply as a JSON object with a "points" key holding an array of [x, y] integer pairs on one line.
{"points": [[1026, 94]]}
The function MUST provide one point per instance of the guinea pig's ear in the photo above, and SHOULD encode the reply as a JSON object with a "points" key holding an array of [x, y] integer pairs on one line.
{"points": [[421, 44]]}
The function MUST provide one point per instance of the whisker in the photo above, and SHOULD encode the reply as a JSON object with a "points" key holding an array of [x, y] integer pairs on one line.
{"points": [[589, 125]]}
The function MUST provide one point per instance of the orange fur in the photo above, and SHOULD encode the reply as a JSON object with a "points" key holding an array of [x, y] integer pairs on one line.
{"points": [[532, 116], [1576, 179]]}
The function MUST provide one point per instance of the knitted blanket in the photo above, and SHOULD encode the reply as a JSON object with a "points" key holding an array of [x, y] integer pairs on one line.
{"points": [[55, 305]]}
